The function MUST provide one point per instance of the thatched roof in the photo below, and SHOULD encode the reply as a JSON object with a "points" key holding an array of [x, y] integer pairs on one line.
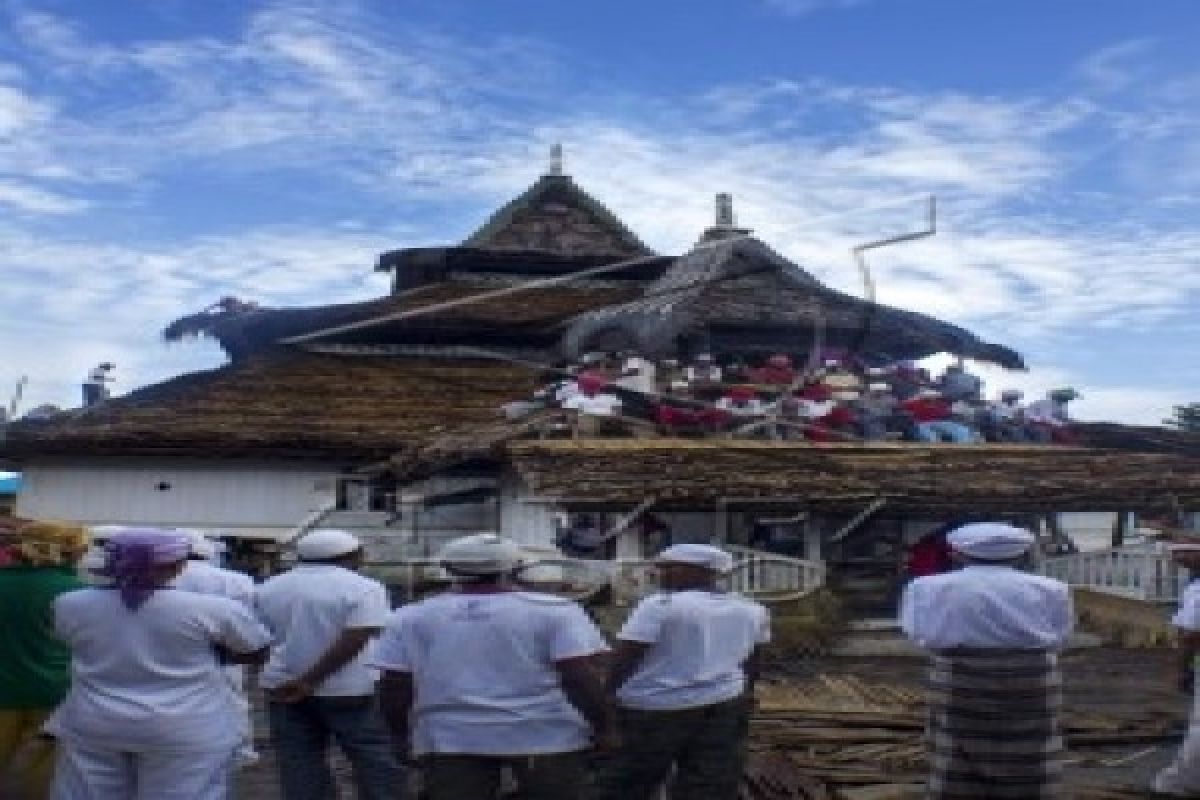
{"points": [[532, 312], [287, 405], [555, 215], [927, 479], [740, 295]]}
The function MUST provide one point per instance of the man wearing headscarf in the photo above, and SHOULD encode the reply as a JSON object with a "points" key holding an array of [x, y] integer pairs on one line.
{"points": [[149, 714], [34, 667], [683, 681], [993, 633]]}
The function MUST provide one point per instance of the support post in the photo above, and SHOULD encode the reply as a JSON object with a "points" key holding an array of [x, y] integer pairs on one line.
{"points": [[1121, 528]]}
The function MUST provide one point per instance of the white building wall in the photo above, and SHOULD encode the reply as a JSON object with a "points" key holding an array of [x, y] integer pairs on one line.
{"points": [[264, 497]]}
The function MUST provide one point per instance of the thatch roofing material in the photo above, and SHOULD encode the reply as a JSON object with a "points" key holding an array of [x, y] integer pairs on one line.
{"points": [[287, 405], [913, 478], [744, 283], [241, 333], [555, 215]]}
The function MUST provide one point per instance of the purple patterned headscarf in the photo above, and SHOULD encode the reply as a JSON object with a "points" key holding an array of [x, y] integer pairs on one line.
{"points": [[132, 557]]}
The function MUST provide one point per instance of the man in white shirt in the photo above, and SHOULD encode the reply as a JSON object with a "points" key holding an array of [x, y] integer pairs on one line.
{"points": [[488, 676], [993, 633], [1182, 777], [201, 576], [683, 682], [591, 399], [317, 681]]}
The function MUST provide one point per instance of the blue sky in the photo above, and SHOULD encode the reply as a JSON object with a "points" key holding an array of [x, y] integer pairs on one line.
{"points": [[157, 155]]}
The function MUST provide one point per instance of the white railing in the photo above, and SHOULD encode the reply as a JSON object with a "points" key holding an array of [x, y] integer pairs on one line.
{"points": [[760, 572], [1144, 574]]}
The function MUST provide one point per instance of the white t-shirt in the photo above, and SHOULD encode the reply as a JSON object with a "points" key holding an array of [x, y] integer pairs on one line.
{"points": [[698, 644], [484, 670], [205, 578], [149, 680], [1188, 616], [600, 405], [637, 375], [307, 609], [983, 606]]}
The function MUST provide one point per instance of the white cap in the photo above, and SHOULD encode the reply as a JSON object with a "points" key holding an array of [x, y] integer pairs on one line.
{"points": [[480, 554], [879, 387], [322, 545], [990, 541], [199, 545], [697, 555]]}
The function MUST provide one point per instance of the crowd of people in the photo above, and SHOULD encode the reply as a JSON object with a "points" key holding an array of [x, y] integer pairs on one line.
{"points": [[117, 681], [842, 399]]}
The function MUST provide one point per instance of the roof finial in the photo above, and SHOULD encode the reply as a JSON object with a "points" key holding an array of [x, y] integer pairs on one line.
{"points": [[556, 159], [725, 211]]}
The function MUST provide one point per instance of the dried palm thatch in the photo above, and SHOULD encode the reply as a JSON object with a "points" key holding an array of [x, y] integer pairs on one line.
{"points": [[291, 405], [740, 295], [534, 314], [933, 479]]}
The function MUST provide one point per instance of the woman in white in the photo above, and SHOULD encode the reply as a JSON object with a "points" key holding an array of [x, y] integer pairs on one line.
{"points": [[149, 715]]}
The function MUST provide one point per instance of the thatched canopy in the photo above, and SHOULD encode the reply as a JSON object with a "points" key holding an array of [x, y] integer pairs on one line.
{"points": [[534, 315], [557, 216], [926, 479], [285, 405], [739, 296]]}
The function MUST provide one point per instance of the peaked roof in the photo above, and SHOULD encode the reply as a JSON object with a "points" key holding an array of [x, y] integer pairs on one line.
{"points": [[742, 283], [556, 216]]}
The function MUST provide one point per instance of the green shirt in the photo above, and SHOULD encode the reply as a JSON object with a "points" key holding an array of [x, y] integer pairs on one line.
{"points": [[35, 664]]}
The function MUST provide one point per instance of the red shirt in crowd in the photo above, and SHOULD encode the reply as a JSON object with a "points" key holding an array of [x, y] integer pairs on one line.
{"points": [[927, 409]]}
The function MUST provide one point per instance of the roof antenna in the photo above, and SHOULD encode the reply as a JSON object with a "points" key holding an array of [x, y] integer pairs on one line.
{"points": [[556, 159]]}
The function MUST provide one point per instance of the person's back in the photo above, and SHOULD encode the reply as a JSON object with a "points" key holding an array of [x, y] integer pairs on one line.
{"points": [[982, 606], [307, 608], [34, 669], [485, 676], [700, 640], [150, 679], [205, 578]]}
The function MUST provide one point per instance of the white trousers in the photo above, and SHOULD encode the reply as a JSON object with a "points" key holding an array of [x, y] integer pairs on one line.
{"points": [[1182, 777], [87, 773]]}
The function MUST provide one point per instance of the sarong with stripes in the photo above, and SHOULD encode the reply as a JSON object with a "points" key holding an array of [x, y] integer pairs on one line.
{"points": [[994, 725]]}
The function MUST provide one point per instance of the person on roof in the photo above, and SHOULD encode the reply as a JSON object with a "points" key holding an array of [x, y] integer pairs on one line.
{"points": [[95, 388], [741, 401], [683, 680], [34, 669], [958, 384], [934, 419], [993, 633], [202, 576], [318, 683], [487, 677], [1049, 419], [591, 399], [1182, 777], [703, 370], [778, 371], [149, 714]]}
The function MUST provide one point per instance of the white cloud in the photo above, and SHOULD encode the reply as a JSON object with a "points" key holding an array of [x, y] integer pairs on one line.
{"points": [[38, 201], [801, 7], [1117, 66]]}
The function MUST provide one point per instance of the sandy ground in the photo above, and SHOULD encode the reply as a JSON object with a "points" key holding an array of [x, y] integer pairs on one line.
{"points": [[1104, 681]]}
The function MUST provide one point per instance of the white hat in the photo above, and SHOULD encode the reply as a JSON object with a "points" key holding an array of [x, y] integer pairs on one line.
{"points": [[480, 554], [697, 555], [325, 544], [990, 541], [879, 387], [199, 545]]}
